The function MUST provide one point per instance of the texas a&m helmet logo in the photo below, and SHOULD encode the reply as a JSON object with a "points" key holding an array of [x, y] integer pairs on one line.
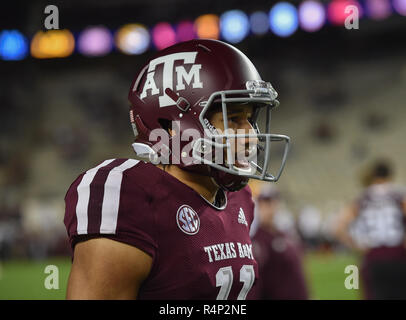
{"points": [[191, 77], [187, 219]]}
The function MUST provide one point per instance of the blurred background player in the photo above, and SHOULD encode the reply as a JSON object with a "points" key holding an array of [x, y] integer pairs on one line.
{"points": [[278, 254], [374, 225]]}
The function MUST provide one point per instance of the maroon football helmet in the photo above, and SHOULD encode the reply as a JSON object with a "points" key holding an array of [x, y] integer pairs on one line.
{"points": [[179, 88]]}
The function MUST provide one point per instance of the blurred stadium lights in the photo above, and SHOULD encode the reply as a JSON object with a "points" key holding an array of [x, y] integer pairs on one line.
{"points": [[312, 15], [283, 19], [234, 26], [185, 30], [259, 23], [132, 39], [163, 35], [95, 41], [52, 44], [13, 45], [336, 11], [378, 9], [207, 26], [400, 6]]}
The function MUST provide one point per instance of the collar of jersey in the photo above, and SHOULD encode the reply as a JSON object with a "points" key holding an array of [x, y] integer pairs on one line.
{"points": [[214, 204]]}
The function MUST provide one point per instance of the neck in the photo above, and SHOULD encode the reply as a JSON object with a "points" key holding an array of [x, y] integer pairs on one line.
{"points": [[380, 180], [203, 185], [268, 225]]}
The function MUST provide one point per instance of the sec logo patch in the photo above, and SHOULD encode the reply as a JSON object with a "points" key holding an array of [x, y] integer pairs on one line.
{"points": [[187, 219]]}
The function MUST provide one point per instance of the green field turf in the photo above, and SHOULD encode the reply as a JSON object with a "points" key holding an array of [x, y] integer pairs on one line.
{"points": [[325, 276], [25, 279]]}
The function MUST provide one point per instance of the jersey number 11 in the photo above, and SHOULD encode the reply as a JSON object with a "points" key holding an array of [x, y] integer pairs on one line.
{"points": [[224, 280]]}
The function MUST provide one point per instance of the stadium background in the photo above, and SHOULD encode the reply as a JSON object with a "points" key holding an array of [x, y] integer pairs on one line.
{"points": [[63, 102]]}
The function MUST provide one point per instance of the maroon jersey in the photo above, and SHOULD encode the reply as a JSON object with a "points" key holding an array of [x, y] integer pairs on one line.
{"points": [[199, 251], [281, 273]]}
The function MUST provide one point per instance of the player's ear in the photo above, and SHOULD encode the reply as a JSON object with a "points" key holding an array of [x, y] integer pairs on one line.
{"points": [[167, 125], [172, 133]]}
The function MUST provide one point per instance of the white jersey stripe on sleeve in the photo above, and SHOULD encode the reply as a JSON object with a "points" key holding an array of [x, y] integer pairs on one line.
{"points": [[83, 197], [111, 199]]}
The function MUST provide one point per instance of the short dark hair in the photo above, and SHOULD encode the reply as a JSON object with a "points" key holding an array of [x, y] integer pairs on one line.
{"points": [[382, 169]]}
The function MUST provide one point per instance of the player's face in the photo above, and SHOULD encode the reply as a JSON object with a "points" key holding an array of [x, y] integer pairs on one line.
{"points": [[238, 122], [267, 209]]}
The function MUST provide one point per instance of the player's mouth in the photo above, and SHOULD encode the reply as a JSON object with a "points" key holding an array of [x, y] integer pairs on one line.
{"points": [[244, 159]]}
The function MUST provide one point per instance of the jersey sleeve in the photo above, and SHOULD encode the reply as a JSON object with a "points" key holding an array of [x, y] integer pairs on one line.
{"points": [[108, 201]]}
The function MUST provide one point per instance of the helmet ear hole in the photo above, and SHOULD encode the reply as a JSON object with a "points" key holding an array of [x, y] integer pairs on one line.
{"points": [[165, 124], [169, 126]]}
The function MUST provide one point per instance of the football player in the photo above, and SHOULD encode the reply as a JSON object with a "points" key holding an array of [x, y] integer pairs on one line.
{"points": [[279, 258], [173, 223], [374, 225]]}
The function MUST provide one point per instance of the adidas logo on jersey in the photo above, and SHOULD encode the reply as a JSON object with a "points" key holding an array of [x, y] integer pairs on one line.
{"points": [[241, 217]]}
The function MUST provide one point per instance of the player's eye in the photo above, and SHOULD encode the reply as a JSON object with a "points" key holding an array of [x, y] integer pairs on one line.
{"points": [[240, 118], [235, 119]]}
